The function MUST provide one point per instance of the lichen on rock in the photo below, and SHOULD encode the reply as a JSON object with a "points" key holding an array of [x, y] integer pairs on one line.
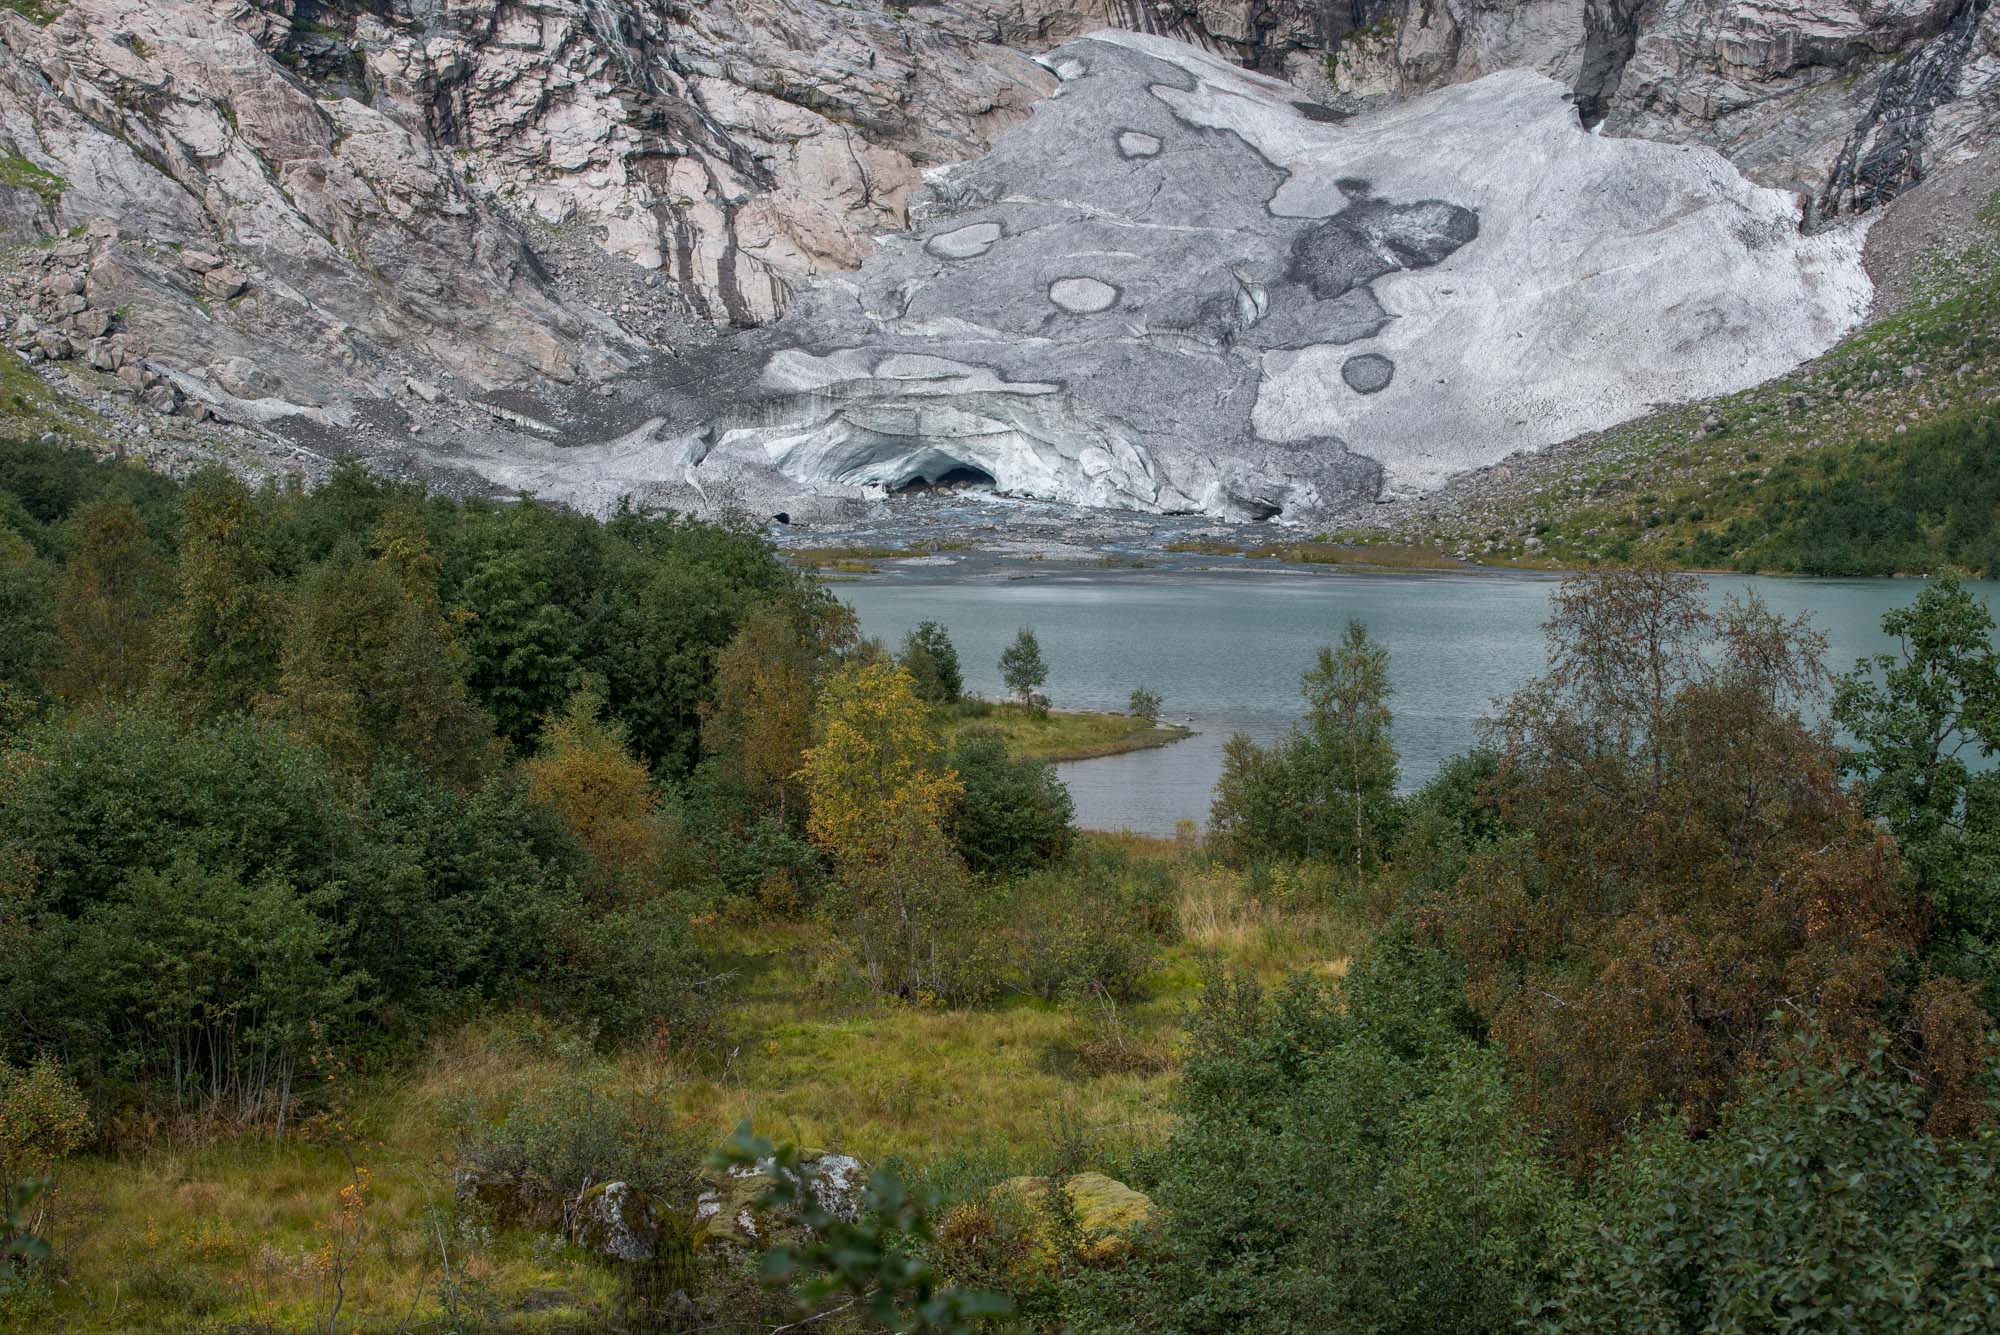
{"points": [[1111, 1218]]}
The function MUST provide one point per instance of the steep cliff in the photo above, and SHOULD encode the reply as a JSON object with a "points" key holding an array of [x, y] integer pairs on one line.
{"points": [[1846, 101]]}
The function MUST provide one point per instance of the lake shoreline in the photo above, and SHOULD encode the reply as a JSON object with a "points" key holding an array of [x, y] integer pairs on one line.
{"points": [[1224, 651]]}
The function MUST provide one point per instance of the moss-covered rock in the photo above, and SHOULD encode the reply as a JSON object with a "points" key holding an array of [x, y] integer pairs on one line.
{"points": [[725, 1211], [621, 1222], [1111, 1218]]}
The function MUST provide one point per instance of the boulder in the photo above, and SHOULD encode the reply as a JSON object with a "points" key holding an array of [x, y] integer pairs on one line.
{"points": [[244, 379], [725, 1211], [224, 282], [620, 1222]]}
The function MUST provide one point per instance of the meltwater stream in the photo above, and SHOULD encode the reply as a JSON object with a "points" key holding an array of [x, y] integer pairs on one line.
{"points": [[1225, 651]]}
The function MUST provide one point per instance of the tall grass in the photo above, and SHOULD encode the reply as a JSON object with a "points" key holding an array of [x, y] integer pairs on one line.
{"points": [[241, 1233]]}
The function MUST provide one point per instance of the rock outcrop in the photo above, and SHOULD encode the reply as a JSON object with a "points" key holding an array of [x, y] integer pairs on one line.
{"points": [[1110, 1218], [727, 1211], [619, 1222], [1846, 101]]}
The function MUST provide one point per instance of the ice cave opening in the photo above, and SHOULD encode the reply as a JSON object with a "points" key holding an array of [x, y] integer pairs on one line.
{"points": [[959, 477]]}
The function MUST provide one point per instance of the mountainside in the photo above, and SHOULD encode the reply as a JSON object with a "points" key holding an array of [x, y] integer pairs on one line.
{"points": [[460, 237]]}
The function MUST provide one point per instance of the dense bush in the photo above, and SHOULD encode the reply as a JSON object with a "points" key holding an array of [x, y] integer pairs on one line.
{"points": [[1819, 1203], [1096, 922], [541, 1151], [1343, 1161], [89, 799], [206, 906], [1014, 815], [1652, 1039], [252, 808], [932, 661], [43, 1119], [1904, 503], [1925, 729], [1327, 790], [1689, 864]]}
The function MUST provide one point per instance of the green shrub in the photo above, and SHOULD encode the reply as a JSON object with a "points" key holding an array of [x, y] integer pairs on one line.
{"points": [[1327, 790], [634, 973], [1099, 919], [1015, 814], [1898, 504], [1818, 1203], [1345, 1159], [546, 1147], [206, 987], [96, 797], [932, 662], [43, 1119], [1923, 729], [718, 846]]}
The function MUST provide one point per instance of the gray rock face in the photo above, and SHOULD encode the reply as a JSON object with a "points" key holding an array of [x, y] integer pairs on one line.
{"points": [[365, 191], [1272, 316], [1846, 101]]}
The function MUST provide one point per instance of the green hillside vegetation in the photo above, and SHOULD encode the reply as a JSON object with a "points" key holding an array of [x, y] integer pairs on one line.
{"points": [[31, 407], [1852, 439], [420, 915]]}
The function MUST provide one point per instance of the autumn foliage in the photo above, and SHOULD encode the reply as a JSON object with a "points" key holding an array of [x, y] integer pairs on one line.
{"points": [[587, 775], [1689, 867], [876, 762], [761, 721]]}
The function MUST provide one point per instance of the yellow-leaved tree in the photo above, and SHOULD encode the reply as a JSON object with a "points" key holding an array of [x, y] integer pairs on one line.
{"points": [[586, 773], [761, 720], [878, 793], [876, 757]]}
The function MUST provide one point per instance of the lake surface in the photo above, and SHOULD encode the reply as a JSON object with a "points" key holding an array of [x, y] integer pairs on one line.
{"points": [[1225, 651]]}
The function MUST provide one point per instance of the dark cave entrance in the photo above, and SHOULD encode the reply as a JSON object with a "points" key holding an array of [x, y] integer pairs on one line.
{"points": [[959, 477]]}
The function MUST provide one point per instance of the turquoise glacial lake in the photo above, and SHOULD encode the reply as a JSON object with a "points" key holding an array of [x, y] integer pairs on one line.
{"points": [[1225, 650]]}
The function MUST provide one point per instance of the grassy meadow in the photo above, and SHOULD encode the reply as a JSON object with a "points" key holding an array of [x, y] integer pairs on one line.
{"points": [[245, 1233]]}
